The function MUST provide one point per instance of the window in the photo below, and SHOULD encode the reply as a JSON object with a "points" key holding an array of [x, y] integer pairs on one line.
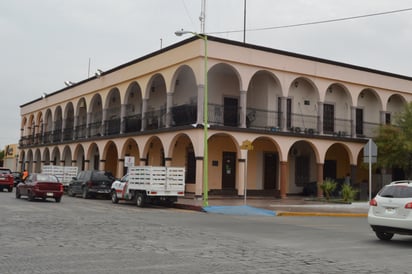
{"points": [[328, 118], [359, 121], [387, 118]]}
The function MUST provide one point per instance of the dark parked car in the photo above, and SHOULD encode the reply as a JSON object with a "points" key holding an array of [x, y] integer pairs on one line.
{"points": [[17, 178], [39, 185], [90, 183]]}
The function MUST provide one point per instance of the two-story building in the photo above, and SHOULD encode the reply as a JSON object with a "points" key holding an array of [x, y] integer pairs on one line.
{"points": [[306, 118]]}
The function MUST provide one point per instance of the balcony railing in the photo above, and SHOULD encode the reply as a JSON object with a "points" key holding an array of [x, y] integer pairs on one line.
{"points": [[95, 129], [223, 115], [155, 119], [262, 119], [80, 132], [186, 114], [112, 127], [133, 123]]}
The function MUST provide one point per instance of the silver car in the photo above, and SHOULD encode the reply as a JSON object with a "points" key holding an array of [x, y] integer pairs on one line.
{"points": [[390, 212]]}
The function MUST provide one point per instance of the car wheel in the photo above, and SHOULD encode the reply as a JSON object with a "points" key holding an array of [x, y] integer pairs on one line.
{"points": [[384, 236], [30, 196], [115, 200], [58, 199], [139, 200], [10, 189], [70, 192], [85, 195], [18, 195]]}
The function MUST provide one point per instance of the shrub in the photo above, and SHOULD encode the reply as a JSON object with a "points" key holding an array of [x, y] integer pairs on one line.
{"points": [[348, 193], [328, 186]]}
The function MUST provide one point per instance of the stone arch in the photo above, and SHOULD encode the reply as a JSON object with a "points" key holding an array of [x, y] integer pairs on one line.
{"points": [[224, 79], [263, 101], [155, 116], [37, 161], [303, 159], [263, 167], [337, 162], [79, 157], [185, 97], [154, 152], [55, 156], [337, 110], [28, 161], [48, 126], [46, 156], [96, 116], [302, 105], [394, 106], [368, 112], [133, 108], [67, 156], [223, 164], [58, 124], [68, 124], [112, 112], [93, 156], [111, 157], [81, 119]]}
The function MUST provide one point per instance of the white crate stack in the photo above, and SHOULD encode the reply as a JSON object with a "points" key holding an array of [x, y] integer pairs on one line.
{"points": [[63, 173], [157, 179]]}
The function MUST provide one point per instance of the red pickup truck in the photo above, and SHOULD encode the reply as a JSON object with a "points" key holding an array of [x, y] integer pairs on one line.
{"points": [[6, 179]]}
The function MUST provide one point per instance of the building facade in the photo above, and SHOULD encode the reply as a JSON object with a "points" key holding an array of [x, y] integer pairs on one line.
{"points": [[307, 118]]}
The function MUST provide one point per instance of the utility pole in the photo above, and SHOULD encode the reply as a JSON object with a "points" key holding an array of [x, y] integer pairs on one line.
{"points": [[202, 17]]}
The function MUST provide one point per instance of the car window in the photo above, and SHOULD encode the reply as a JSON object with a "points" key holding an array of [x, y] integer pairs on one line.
{"points": [[82, 175], [47, 178], [100, 176], [5, 171], [396, 191]]}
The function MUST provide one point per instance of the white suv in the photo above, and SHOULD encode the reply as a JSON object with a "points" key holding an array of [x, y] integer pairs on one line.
{"points": [[390, 212]]}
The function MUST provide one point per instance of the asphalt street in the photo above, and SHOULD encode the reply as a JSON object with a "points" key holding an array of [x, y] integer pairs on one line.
{"points": [[96, 236]]}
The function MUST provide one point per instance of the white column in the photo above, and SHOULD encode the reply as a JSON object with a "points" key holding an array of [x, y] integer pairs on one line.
{"points": [[320, 118], [169, 104], [144, 110], [200, 98], [243, 105]]}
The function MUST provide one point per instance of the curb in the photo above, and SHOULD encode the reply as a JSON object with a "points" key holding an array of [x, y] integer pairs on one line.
{"points": [[189, 207], [286, 213], [322, 214]]}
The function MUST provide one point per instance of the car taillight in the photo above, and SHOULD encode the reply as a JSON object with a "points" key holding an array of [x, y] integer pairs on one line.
{"points": [[408, 205], [373, 202], [36, 187], [61, 188]]}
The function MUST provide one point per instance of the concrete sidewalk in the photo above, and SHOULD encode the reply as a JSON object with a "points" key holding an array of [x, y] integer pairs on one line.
{"points": [[291, 206]]}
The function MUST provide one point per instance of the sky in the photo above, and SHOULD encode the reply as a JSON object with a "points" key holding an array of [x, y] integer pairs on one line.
{"points": [[44, 43]]}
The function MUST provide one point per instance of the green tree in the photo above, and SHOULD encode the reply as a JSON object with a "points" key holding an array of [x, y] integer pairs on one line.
{"points": [[394, 142]]}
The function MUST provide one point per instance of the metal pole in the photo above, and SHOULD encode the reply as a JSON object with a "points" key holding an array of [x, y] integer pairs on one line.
{"points": [[370, 168], [244, 21], [245, 190], [205, 136]]}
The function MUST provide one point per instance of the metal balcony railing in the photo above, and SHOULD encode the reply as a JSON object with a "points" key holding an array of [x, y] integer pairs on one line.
{"points": [[256, 119], [133, 123], [184, 114]]}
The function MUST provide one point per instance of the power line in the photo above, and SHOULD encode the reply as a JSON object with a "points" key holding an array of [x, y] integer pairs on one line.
{"points": [[316, 22]]}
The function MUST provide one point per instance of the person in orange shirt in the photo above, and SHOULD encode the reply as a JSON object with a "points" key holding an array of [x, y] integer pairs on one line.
{"points": [[25, 174]]}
